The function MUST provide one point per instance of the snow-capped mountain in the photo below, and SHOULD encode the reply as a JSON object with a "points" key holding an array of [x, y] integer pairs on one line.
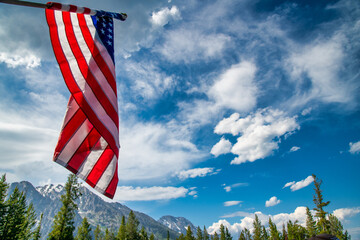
{"points": [[46, 200], [178, 224]]}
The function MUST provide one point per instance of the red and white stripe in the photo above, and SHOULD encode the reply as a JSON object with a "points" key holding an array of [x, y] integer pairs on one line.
{"points": [[89, 140]]}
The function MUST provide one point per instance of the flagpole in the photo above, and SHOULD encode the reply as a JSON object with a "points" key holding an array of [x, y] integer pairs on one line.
{"points": [[26, 3], [65, 7]]}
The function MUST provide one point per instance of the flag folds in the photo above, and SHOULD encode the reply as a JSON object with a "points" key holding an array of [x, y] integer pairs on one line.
{"points": [[88, 144]]}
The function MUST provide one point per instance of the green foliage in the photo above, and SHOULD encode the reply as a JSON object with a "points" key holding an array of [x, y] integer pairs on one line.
{"points": [[189, 234], [121, 235], [310, 224], [17, 219], [296, 231], [216, 236], [222, 232], [322, 224], [264, 233], [144, 236], [336, 228], [109, 234], [132, 227], [63, 227], [37, 232], [152, 237], [205, 234], [245, 234], [84, 231], [284, 235], [199, 234], [98, 234], [274, 233], [257, 228], [227, 234]]}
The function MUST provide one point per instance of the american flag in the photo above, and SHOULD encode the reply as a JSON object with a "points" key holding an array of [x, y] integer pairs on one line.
{"points": [[89, 140]]}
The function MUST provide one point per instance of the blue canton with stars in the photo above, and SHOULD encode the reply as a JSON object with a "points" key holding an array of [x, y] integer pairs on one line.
{"points": [[105, 28]]}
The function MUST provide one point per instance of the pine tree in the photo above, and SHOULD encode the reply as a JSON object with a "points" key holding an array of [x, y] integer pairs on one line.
{"points": [[132, 227], [109, 234], [3, 207], [144, 236], [14, 217], [199, 235], [310, 224], [274, 233], [216, 236], [28, 223], [284, 235], [168, 235], [37, 232], [206, 234], [322, 224], [227, 234], [257, 228], [336, 228], [152, 237], [189, 234], [121, 235], [98, 234], [296, 231], [84, 231], [264, 233], [181, 237], [245, 234], [63, 227], [222, 232]]}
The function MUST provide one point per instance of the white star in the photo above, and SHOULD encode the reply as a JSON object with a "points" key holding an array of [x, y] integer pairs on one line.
{"points": [[109, 29], [109, 43], [103, 31], [110, 36]]}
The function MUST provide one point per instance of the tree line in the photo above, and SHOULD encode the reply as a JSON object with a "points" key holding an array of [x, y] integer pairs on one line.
{"points": [[18, 221]]}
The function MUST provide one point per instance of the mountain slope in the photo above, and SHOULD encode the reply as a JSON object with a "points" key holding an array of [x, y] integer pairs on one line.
{"points": [[46, 200], [178, 224]]}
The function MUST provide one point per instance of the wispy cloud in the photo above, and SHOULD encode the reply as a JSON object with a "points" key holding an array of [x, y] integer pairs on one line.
{"points": [[128, 193], [196, 172], [232, 203], [272, 202], [294, 149], [294, 186], [235, 185]]}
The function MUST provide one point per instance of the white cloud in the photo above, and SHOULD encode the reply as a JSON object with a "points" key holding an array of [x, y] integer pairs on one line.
{"points": [[235, 185], [222, 147], [196, 172], [260, 133], [231, 203], [272, 202], [235, 89], [294, 186], [354, 147], [294, 149], [29, 61], [127, 193], [151, 151], [343, 213], [248, 219], [163, 16]]}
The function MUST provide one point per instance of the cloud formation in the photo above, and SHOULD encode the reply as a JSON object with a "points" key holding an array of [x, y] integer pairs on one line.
{"points": [[354, 147], [260, 133], [127, 193], [163, 16], [272, 202], [343, 213], [231, 203], [294, 186], [222, 147], [196, 172]]}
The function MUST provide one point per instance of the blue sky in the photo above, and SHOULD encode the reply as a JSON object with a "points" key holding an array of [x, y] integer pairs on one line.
{"points": [[226, 107]]}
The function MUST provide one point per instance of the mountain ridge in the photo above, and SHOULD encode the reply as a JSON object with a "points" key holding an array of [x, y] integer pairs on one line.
{"points": [[46, 200]]}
